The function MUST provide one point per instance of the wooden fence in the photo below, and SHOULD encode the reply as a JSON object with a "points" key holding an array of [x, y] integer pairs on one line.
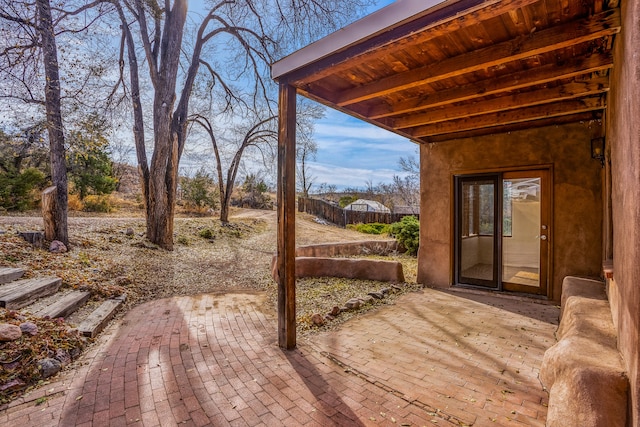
{"points": [[336, 215]]}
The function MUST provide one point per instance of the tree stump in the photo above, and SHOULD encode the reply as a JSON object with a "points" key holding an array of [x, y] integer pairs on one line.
{"points": [[48, 211], [34, 237]]}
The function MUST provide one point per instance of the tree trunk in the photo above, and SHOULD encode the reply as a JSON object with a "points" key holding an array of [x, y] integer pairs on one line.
{"points": [[54, 118]]}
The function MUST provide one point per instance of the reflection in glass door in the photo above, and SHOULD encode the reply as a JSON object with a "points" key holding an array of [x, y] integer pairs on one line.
{"points": [[515, 207], [477, 230]]}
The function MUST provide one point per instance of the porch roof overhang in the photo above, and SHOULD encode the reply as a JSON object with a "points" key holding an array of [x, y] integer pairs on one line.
{"points": [[445, 69], [438, 70]]}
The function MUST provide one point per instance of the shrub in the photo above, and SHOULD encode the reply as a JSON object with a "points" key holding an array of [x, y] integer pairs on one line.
{"points": [[207, 233], [74, 203], [18, 191], [407, 232], [183, 240], [93, 203], [199, 192], [372, 228]]}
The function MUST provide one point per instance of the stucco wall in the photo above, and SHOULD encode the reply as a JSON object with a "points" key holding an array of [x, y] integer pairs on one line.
{"points": [[623, 138], [576, 231]]}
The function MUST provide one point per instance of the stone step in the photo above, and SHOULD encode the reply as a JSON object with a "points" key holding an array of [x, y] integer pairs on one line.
{"points": [[99, 318], [66, 305], [8, 274], [24, 292]]}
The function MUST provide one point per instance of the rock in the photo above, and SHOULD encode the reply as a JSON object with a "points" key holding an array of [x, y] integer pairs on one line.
{"points": [[317, 320], [343, 309], [9, 332], [63, 356], [49, 367], [29, 328], [353, 304], [57, 247], [75, 352], [328, 317], [335, 311], [376, 295], [368, 299], [129, 232], [12, 385], [385, 291], [396, 288]]}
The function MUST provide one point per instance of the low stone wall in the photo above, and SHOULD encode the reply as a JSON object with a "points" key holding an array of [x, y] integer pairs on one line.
{"points": [[583, 371], [317, 261]]}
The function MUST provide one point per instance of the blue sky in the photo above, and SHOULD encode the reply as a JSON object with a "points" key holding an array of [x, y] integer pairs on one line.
{"points": [[352, 152]]}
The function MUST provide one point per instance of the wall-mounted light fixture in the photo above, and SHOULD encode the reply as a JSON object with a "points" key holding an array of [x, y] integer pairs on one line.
{"points": [[597, 149]]}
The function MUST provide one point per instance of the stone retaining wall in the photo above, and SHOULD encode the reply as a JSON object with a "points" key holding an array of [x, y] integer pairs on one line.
{"points": [[317, 261]]}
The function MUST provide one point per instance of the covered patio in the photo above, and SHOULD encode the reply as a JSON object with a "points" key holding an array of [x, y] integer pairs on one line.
{"points": [[494, 92]]}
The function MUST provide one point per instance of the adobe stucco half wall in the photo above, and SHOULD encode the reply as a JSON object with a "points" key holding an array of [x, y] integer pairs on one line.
{"points": [[576, 229]]}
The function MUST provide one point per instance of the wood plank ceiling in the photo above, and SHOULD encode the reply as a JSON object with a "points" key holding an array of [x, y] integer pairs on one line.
{"points": [[473, 68]]}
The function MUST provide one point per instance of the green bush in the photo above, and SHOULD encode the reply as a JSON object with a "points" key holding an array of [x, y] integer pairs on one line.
{"points": [[17, 189], [407, 232], [199, 192], [207, 233], [372, 228]]}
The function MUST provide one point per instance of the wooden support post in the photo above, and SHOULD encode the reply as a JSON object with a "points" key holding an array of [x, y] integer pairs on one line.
{"points": [[286, 217], [49, 196]]}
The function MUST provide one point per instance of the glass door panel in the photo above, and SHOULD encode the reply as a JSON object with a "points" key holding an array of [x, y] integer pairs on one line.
{"points": [[521, 231], [477, 232], [525, 231]]}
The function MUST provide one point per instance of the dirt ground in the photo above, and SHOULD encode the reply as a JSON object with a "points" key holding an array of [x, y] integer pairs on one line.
{"points": [[110, 255]]}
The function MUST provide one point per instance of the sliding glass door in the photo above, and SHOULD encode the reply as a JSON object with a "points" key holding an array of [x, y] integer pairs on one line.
{"points": [[502, 231]]}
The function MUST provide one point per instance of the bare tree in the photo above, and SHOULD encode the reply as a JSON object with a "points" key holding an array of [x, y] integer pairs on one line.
{"points": [[306, 146], [29, 64], [305, 152], [261, 133], [35, 28], [253, 29]]}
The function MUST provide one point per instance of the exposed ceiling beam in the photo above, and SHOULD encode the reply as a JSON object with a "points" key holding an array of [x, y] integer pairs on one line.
{"points": [[474, 133], [508, 117], [558, 37], [565, 92], [497, 85]]}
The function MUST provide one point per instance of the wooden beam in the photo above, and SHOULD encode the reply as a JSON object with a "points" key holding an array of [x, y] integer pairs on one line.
{"points": [[493, 86], [562, 36], [508, 117], [565, 92], [514, 127], [426, 28], [286, 199]]}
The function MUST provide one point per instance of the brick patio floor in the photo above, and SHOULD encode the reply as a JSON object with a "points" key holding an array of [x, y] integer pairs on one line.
{"points": [[434, 358]]}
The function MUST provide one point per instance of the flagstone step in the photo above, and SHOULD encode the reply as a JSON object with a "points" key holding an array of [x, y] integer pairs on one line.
{"points": [[65, 305], [99, 318], [24, 292], [9, 274]]}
